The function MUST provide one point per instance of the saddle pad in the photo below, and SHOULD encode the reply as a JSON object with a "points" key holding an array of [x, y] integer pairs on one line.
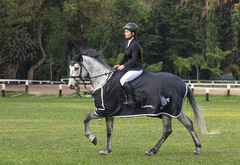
{"points": [[156, 94]]}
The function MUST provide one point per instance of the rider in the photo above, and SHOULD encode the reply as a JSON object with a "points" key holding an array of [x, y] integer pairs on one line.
{"points": [[131, 61]]}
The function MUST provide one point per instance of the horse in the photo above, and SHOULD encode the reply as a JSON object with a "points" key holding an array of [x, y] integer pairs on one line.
{"points": [[91, 63]]}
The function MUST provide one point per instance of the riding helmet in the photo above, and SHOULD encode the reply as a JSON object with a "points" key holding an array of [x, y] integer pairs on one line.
{"points": [[132, 27]]}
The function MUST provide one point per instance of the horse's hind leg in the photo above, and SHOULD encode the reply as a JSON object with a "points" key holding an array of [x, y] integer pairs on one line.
{"points": [[109, 126], [167, 130], [88, 134], [189, 125]]}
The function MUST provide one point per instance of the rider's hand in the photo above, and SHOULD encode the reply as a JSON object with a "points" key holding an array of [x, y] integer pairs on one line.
{"points": [[121, 67], [115, 67]]}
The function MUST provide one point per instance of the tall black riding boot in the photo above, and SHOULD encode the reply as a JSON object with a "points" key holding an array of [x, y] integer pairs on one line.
{"points": [[131, 101]]}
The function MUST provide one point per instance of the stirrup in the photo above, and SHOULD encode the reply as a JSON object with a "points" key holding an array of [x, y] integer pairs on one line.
{"points": [[130, 103]]}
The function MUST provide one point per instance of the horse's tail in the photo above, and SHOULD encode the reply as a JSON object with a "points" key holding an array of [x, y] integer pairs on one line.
{"points": [[197, 114]]}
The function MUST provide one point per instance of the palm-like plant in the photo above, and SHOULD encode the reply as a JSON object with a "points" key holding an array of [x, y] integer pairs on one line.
{"points": [[197, 60], [236, 69], [114, 61], [214, 60], [181, 64]]}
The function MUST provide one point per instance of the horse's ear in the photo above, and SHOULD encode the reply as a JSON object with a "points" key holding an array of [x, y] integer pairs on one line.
{"points": [[80, 50], [73, 52], [80, 59]]}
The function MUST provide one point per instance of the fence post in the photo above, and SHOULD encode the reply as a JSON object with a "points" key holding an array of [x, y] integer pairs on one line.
{"points": [[207, 94], [26, 88], [60, 90], [3, 90], [236, 83], [212, 83], [228, 90], [192, 86]]}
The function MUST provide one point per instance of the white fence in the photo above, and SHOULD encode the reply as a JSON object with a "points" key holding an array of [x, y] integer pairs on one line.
{"points": [[212, 81], [192, 85], [29, 81], [61, 83]]}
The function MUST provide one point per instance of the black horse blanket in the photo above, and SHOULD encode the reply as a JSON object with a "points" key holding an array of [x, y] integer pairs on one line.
{"points": [[156, 94]]}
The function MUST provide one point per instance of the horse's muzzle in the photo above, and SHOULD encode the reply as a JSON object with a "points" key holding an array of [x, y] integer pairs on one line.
{"points": [[71, 87]]}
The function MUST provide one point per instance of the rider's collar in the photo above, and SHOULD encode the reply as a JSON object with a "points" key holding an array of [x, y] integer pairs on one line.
{"points": [[129, 41]]}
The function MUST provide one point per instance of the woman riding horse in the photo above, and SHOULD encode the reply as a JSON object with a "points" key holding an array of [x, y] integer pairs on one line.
{"points": [[131, 61]]}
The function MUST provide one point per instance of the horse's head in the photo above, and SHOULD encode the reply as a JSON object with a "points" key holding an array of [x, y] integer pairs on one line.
{"points": [[76, 70]]}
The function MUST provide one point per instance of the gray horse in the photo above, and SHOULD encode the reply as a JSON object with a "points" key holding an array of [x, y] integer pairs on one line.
{"points": [[91, 63]]}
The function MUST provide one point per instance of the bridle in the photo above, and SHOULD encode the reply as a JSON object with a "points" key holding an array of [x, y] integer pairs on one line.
{"points": [[80, 63]]}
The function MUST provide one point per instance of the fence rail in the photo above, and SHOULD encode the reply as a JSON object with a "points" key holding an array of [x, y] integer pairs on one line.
{"points": [[30, 81], [212, 81]]}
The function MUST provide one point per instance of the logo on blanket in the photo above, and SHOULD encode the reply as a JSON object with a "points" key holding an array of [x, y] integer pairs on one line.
{"points": [[164, 101]]}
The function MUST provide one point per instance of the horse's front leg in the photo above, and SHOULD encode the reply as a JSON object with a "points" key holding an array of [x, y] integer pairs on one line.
{"points": [[88, 134], [109, 126]]}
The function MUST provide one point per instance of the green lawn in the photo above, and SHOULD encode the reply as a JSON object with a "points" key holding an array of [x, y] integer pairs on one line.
{"points": [[50, 130]]}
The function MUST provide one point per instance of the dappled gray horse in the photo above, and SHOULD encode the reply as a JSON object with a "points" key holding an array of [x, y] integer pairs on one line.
{"points": [[163, 99]]}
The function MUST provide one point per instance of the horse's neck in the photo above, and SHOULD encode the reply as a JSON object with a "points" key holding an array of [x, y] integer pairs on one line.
{"points": [[94, 69]]}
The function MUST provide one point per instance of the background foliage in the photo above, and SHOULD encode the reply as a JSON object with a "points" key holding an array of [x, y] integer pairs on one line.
{"points": [[182, 28]]}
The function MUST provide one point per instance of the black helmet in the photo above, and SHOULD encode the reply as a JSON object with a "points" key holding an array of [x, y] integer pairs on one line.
{"points": [[132, 27]]}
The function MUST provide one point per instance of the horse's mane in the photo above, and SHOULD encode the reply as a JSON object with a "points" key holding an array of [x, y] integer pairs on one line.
{"points": [[98, 55]]}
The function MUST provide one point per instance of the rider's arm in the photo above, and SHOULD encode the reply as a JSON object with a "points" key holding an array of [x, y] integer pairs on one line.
{"points": [[123, 60]]}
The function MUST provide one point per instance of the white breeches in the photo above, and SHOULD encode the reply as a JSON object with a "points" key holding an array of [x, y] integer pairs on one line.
{"points": [[130, 75]]}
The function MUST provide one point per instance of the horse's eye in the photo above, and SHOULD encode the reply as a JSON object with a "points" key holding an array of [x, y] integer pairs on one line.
{"points": [[76, 68]]}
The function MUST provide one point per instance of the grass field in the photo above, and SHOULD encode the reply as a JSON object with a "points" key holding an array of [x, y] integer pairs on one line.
{"points": [[50, 130]]}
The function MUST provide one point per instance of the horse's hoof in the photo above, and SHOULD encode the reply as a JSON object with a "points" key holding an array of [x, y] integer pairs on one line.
{"points": [[94, 141], [101, 153], [147, 153], [196, 153], [104, 152]]}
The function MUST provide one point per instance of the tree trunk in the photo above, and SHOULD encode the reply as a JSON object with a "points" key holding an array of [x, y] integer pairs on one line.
{"points": [[34, 67], [64, 42], [197, 73], [10, 71]]}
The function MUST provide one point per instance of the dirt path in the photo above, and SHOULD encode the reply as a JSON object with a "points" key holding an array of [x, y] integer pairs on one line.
{"points": [[42, 89], [54, 89]]}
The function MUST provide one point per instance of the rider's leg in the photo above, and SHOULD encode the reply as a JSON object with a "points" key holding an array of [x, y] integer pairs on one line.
{"points": [[131, 101], [127, 77]]}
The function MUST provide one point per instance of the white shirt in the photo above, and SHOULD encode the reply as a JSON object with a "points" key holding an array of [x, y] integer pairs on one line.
{"points": [[129, 41]]}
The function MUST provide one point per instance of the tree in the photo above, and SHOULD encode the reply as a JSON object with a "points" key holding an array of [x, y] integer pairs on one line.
{"points": [[214, 61], [34, 67], [156, 67], [236, 69], [181, 64], [197, 60], [236, 32], [114, 61], [180, 27], [177, 25], [16, 50], [18, 42]]}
